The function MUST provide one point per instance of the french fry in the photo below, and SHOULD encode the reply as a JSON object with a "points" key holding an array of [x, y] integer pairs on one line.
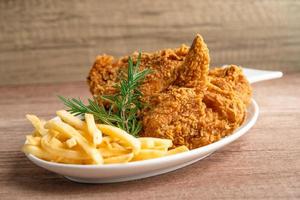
{"points": [[146, 154], [159, 142], [71, 142], [119, 159], [33, 140], [71, 119], [84, 134], [155, 143], [115, 145], [58, 151], [94, 132], [70, 132], [89, 127], [37, 151], [162, 148], [55, 142], [123, 135], [177, 150], [105, 152], [42, 154], [35, 133], [106, 142], [37, 124], [58, 135], [146, 143]]}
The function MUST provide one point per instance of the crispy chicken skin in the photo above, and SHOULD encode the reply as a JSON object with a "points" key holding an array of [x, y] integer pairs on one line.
{"points": [[164, 64], [204, 107], [193, 72], [196, 118], [232, 76], [188, 103], [176, 116]]}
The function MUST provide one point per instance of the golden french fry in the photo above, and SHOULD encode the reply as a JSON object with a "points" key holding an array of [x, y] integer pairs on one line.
{"points": [[71, 142], [71, 119], [177, 150], [115, 145], [123, 144], [163, 142], [84, 134], [119, 159], [146, 154], [58, 151], [106, 142], [106, 139], [33, 140], [58, 135], [70, 132], [88, 127], [115, 132], [37, 124], [146, 143], [94, 132], [55, 142], [155, 143], [35, 133], [105, 152], [162, 148], [42, 154], [37, 151]]}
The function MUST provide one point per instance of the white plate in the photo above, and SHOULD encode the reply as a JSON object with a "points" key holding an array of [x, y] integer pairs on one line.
{"points": [[142, 169]]}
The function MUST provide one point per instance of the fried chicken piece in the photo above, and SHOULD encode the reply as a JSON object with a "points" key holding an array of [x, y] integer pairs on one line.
{"points": [[232, 76], [176, 113], [175, 116], [199, 116], [196, 118], [188, 103], [226, 99], [164, 64], [193, 72]]}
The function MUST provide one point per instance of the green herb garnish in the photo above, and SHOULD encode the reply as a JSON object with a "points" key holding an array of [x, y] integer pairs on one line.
{"points": [[123, 106]]}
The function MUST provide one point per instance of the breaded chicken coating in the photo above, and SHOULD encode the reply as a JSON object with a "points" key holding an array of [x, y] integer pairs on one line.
{"points": [[194, 71], [189, 104], [164, 64]]}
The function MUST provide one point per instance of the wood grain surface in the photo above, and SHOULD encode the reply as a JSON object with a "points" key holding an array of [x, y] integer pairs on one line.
{"points": [[49, 41], [263, 164]]}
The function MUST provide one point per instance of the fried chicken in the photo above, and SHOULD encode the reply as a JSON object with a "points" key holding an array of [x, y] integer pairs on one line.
{"points": [[232, 76], [189, 104], [197, 117], [193, 72], [164, 65]]}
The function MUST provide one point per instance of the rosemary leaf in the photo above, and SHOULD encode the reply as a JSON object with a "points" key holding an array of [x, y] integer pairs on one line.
{"points": [[123, 106]]}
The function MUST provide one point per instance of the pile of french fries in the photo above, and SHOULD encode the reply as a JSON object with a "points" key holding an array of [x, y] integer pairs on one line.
{"points": [[68, 139]]}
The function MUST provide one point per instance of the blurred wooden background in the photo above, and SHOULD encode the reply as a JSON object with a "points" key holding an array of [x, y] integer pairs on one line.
{"points": [[57, 41]]}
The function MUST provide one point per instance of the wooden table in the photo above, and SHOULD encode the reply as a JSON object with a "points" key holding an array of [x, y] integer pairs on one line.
{"points": [[43, 40], [264, 164]]}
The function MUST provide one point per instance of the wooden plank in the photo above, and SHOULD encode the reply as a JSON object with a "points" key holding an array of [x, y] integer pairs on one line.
{"points": [[57, 41], [263, 164]]}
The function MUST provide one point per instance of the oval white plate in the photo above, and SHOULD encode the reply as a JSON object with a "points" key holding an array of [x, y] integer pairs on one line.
{"points": [[142, 169]]}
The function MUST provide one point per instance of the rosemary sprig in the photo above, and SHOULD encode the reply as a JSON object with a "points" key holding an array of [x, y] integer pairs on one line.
{"points": [[123, 106]]}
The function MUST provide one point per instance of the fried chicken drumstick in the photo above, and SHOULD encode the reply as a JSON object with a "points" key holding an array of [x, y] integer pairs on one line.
{"points": [[188, 103]]}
